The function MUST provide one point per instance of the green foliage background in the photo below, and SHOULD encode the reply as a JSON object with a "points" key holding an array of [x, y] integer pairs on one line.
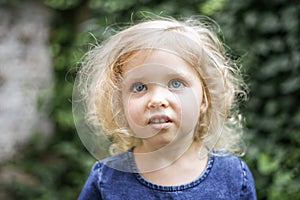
{"points": [[267, 34], [264, 34]]}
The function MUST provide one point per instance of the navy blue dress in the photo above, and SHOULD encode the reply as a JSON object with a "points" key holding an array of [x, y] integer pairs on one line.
{"points": [[225, 177]]}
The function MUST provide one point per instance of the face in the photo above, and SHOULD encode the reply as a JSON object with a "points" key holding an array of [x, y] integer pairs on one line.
{"points": [[162, 96]]}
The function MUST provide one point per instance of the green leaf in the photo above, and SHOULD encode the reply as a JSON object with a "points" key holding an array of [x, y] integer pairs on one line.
{"points": [[266, 164]]}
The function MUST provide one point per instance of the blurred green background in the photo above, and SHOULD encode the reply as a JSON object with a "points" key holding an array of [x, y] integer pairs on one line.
{"points": [[263, 35]]}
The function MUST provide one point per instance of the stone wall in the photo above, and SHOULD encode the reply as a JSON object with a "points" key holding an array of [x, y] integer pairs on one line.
{"points": [[26, 77]]}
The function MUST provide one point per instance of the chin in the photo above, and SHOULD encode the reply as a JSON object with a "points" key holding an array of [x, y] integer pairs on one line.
{"points": [[162, 139]]}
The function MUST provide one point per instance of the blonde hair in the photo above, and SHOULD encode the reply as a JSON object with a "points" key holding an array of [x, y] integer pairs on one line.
{"points": [[219, 128]]}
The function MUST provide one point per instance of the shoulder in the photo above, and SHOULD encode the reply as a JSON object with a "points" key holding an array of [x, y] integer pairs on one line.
{"points": [[90, 190], [123, 162], [235, 172], [102, 175], [229, 164], [114, 164]]}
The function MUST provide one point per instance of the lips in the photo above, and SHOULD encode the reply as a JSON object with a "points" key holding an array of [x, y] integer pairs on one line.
{"points": [[160, 122]]}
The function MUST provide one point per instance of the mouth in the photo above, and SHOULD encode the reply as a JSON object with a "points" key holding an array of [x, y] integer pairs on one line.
{"points": [[160, 122]]}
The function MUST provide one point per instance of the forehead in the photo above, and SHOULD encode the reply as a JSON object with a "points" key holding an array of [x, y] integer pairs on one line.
{"points": [[156, 60]]}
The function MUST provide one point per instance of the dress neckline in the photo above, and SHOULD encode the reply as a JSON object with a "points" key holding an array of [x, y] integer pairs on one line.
{"points": [[155, 186]]}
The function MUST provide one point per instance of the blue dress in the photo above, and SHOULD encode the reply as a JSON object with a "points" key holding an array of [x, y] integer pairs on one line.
{"points": [[225, 177]]}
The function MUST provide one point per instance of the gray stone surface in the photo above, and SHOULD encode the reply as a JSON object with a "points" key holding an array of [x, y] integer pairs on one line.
{"points": [[26, 76]]}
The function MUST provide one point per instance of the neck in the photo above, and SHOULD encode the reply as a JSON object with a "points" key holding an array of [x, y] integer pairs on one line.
{"points": [[149, 161], [191, 163]]}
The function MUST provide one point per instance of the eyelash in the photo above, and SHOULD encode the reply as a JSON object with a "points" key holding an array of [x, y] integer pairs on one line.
{"points": [[140, 87]]}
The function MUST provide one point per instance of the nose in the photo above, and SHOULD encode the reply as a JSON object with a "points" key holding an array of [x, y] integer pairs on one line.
{"points": [[158, 99], [158, 103]]}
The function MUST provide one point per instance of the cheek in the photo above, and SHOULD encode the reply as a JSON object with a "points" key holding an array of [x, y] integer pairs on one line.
{"points": [[133, 111], [190, 103], [136, 117]]}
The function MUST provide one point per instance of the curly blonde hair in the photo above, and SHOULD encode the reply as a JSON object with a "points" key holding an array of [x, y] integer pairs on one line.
{"points": [[195, 41]]}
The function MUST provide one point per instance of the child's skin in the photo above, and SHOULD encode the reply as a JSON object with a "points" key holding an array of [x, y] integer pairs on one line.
{"points": [[162, 99]]}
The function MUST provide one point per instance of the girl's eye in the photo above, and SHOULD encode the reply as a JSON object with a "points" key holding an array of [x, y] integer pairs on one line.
{"points": [[176, 84], [139, 87]]}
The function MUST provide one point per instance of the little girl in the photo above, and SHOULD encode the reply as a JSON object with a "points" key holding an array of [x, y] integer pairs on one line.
{"points": [[165, 94]]}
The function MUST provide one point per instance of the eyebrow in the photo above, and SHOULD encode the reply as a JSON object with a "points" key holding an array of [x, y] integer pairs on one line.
{"points": [[142, 78], [180, 74]]}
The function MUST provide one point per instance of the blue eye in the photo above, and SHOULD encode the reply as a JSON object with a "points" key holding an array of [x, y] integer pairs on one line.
{"points": [[176, 84], [139, 87]]}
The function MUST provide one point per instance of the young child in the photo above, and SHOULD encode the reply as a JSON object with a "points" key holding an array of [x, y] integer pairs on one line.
{"points": [[165, 94]]}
